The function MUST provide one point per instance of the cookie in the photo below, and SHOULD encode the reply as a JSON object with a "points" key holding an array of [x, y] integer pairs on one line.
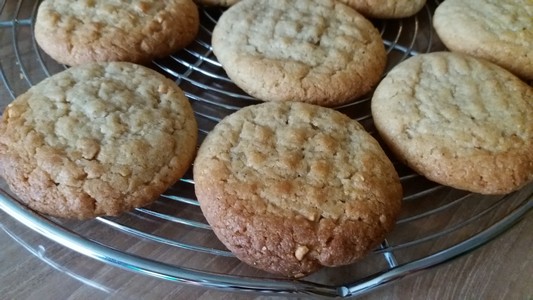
{"points": [[98, 139], [386, 9], [319, 52], [77, 32], [289, 187], [499, 31], [458, 120]]}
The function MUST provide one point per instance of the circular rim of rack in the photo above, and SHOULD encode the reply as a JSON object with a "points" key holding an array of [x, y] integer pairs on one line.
{"points": [[146, 266], [227, 282]]}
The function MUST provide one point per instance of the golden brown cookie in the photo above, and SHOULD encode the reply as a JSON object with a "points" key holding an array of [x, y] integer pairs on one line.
{"points": [[319, 52], [289, 187], [497, 30], [77, 32], [458, 120], [386, 9], [98, 139]]}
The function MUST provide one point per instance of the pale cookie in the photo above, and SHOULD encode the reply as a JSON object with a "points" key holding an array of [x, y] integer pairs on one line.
{"points": [[77, 32], [289, 187], [320, 52], [498, 30], [98, 139], [458, 120], [386, 9]]}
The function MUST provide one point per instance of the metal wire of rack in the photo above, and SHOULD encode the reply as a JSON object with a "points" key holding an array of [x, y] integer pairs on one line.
{"points": [[437, 224]]}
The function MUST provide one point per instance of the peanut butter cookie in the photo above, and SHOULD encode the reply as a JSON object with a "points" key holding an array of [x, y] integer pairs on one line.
{"points": [[458, 120], [319, 52], [289, 187], [497, 30], [77, 32], [98, 139]]}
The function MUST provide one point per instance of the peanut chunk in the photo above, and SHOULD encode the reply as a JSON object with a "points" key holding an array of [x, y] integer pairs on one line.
{"points": [[300, 252]]}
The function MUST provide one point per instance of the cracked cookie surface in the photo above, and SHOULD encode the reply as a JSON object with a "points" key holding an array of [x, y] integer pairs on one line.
{"points": [[289, 187], [384, 9], [97, 139], [319, 52], [500, 31], [458, 120], [77, 32]]}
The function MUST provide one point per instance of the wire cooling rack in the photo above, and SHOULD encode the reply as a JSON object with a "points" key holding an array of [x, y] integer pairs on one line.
{"points": [[436, 225]]}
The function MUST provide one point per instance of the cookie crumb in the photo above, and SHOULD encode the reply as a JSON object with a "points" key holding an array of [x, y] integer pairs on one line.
{"points": [[383, 219], [300, 252]]}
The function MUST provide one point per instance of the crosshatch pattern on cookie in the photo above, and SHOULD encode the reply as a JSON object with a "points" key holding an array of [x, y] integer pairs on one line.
{"points": [[386, 8], [320, 38]]}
